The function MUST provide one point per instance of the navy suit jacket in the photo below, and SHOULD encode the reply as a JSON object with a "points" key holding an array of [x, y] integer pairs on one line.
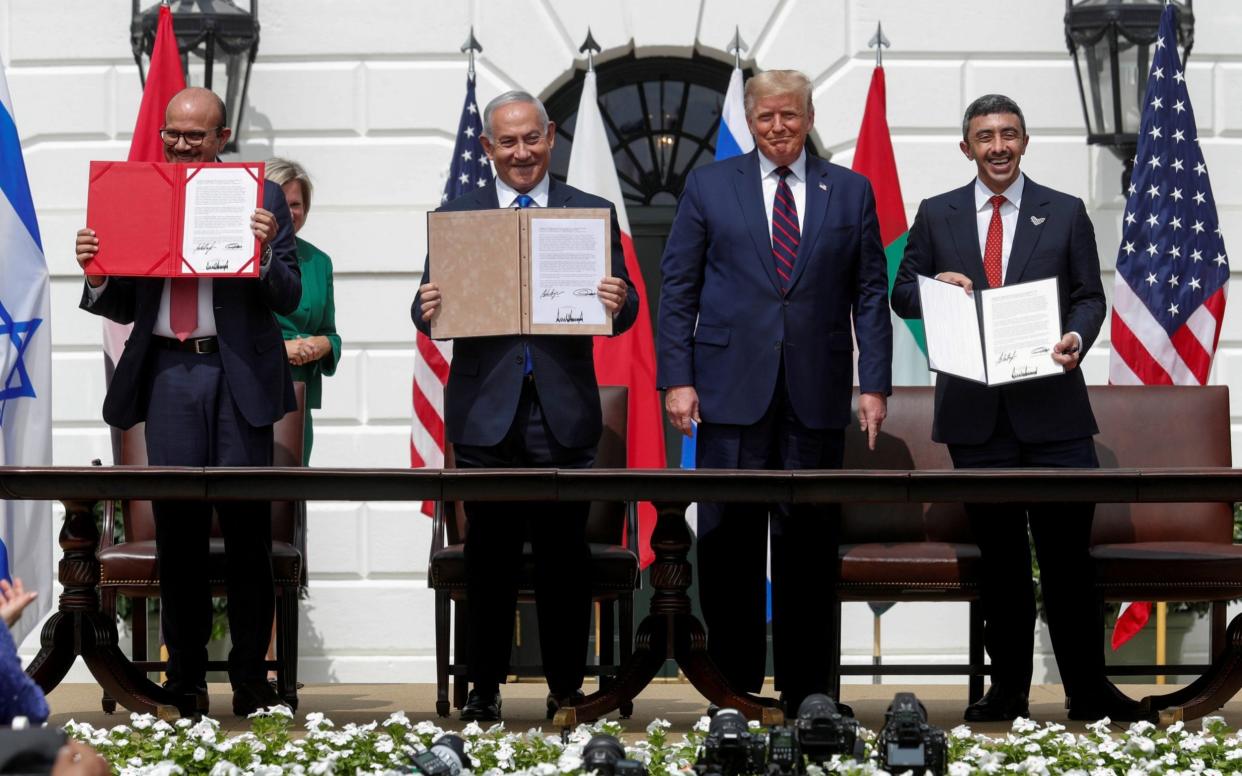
{"points": [[1053, 238], [724, 326], [485, 376], [251, 347]]}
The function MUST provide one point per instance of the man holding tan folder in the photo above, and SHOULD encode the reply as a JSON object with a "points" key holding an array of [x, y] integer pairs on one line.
{"points": [[525, 401]]}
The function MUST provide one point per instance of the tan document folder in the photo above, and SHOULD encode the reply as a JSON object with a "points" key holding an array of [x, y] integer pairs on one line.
{"points": [[481, 261]]}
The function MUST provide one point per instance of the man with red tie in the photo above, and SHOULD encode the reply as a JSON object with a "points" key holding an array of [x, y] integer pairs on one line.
{"points": [[205, 368], [774, 257], [1003, 228]]}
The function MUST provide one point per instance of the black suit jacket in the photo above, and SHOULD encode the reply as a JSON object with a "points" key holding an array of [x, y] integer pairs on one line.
{"points": [[251, 347], [1053, 238], [485, 377]]}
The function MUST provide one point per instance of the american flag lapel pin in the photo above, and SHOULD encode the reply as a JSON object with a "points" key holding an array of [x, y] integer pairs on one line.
{"points": [[823, 187], [1037, 220]]}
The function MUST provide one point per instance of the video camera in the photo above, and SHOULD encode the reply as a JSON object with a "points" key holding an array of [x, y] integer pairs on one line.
{"points": [[908, 741], [446, 757], [605, 755]]}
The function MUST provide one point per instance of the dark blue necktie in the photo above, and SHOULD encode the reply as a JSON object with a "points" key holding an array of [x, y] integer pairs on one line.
{"points": [[785, 232], [528, 367]]}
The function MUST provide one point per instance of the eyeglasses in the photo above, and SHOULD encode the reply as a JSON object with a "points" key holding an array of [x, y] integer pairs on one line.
{"points": [[193, 138]]}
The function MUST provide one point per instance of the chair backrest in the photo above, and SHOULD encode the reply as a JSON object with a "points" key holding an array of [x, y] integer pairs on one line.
{"points": [[1140, 427], [1158, 426], [139, 523], [905, 443], [606, 521]]}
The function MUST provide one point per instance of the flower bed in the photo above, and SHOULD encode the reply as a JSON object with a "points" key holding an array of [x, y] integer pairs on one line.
{"points": [[148, 746]]}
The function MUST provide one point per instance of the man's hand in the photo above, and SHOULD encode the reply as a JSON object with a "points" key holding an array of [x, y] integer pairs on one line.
{"points": [[611, 292], [1066, 352], [957, 279], [429, 293], [14, 599], [88, 246], [872, 410], [682, 405], [78, 759], [263, 224]]}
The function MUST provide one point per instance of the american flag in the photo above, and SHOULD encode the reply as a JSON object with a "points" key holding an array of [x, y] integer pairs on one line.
{"points": [[1172, 269], [470, 169]]}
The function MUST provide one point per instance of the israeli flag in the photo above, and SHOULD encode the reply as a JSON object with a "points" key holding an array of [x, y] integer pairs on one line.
{"points": [[25, 373]]}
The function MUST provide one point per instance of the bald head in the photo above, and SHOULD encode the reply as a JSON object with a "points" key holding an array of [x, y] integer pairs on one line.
{"points": [[195, 120]]}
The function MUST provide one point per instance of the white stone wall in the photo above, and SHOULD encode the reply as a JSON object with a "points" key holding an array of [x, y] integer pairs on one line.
{"points": [[367, 96]]}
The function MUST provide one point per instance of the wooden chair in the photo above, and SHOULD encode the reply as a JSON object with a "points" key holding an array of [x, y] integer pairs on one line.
{"points": [[129, 567], [614, 569]]}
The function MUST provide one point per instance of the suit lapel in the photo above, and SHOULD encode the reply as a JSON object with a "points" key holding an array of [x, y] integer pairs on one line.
{"points": [[1032, 216], [813, 219], [559, 195], [749, 189], [965, 230]]}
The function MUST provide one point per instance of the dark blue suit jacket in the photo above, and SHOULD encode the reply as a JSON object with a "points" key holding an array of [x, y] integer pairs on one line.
{"points": [[251, 347], [485, 376], [724, 326], [945, 238]]}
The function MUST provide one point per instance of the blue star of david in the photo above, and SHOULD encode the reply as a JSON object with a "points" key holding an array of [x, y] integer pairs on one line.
{"points": [[17, 383]]}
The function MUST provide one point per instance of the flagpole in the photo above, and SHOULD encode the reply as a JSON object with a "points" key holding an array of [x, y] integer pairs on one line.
{"points": [[468, 48], [1162, 623], [736, 47], [590, 47], [879, 43]]}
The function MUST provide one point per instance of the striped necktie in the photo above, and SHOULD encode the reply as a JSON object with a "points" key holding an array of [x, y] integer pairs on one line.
{"points": [[785, 232]]}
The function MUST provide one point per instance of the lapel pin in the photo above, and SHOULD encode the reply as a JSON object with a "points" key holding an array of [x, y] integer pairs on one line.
{"points": [[823, 187], [1038, 220]]}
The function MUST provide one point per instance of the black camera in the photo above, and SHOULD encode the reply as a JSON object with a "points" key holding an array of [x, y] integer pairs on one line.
{"points": [[446, 757], [605, 755], [908, 741], [730, 748], [784, 756], [823, 730]]}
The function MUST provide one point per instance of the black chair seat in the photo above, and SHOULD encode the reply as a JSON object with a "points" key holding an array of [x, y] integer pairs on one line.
{"points": [[1169, 571], [134, 564], [905, 571]]}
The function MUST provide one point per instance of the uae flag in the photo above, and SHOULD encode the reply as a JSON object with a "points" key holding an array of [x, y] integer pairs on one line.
{"points": [[873, 157], [626, 359]]}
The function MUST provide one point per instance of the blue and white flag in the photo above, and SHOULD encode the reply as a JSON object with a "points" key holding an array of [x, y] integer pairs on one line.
{"points": [[25, 372]]}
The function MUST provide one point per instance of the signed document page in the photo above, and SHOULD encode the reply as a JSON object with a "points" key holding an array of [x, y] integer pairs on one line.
{"points": [[951, 321], [569, 254], [1021, 323], [215, 234], [475, 259]]}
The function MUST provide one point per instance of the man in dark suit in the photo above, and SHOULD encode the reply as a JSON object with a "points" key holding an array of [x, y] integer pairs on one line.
{"points": [[525, 401], [205, 369], [772, 256], [1005, 228]]}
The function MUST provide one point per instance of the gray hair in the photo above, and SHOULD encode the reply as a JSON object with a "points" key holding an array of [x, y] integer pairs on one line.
{"points": [[508, 98], [774, 82], [988, 105], [281, 171]]}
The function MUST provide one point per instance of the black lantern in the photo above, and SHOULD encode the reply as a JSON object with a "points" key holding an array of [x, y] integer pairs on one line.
{"points": [[223, 37], [1111, 42]]}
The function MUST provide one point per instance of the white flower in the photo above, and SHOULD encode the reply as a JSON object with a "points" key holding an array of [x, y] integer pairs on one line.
{"points": [[315, 721], [384, 745], [225, 768], [657, 725], [960, 769], [568, 763], [703, 724]]}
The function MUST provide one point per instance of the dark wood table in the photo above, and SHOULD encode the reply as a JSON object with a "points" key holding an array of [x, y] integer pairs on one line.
{"points": [[669, 631]]}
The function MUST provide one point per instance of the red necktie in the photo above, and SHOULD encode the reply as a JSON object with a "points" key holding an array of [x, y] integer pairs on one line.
{"points": [[785, 232], [992, 250], [183, 306]]}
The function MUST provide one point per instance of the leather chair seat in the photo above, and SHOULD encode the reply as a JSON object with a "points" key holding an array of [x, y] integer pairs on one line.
{"points": [[613, 567], [902, 571], [131, 567], [1169, 571]]}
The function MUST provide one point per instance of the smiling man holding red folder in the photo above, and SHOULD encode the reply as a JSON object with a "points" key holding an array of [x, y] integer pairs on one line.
{"points": [[205, 369]]}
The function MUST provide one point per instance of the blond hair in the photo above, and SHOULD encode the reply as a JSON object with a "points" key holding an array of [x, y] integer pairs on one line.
{"points": [[774, 82], [281, 171]]}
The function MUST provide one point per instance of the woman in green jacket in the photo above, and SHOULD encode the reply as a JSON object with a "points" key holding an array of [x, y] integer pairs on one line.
{"points": [[311, 342]]}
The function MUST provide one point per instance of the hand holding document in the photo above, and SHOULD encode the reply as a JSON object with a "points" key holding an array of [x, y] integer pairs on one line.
{"points": [[994, 336], [174, 220]]}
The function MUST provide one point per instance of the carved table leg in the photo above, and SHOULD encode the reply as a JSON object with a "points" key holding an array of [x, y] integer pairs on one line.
{"points": [[1210, 691], [79, 627], [670, 631]]}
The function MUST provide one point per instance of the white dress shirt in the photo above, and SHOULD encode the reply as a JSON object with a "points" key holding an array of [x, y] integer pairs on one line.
{"points": [[1008, 213], [796, 180], [507, 196]]}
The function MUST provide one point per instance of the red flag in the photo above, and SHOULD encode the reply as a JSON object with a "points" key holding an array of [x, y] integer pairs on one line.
{"points": [[1131, 620], [873, 157], [627, 359], [164, 79]]}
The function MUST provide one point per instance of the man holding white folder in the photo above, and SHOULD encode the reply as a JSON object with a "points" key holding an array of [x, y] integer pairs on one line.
{"points": [[998, 230]]}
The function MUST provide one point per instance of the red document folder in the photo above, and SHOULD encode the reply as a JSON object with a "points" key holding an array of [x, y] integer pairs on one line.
{"points": [[137, 210]]}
